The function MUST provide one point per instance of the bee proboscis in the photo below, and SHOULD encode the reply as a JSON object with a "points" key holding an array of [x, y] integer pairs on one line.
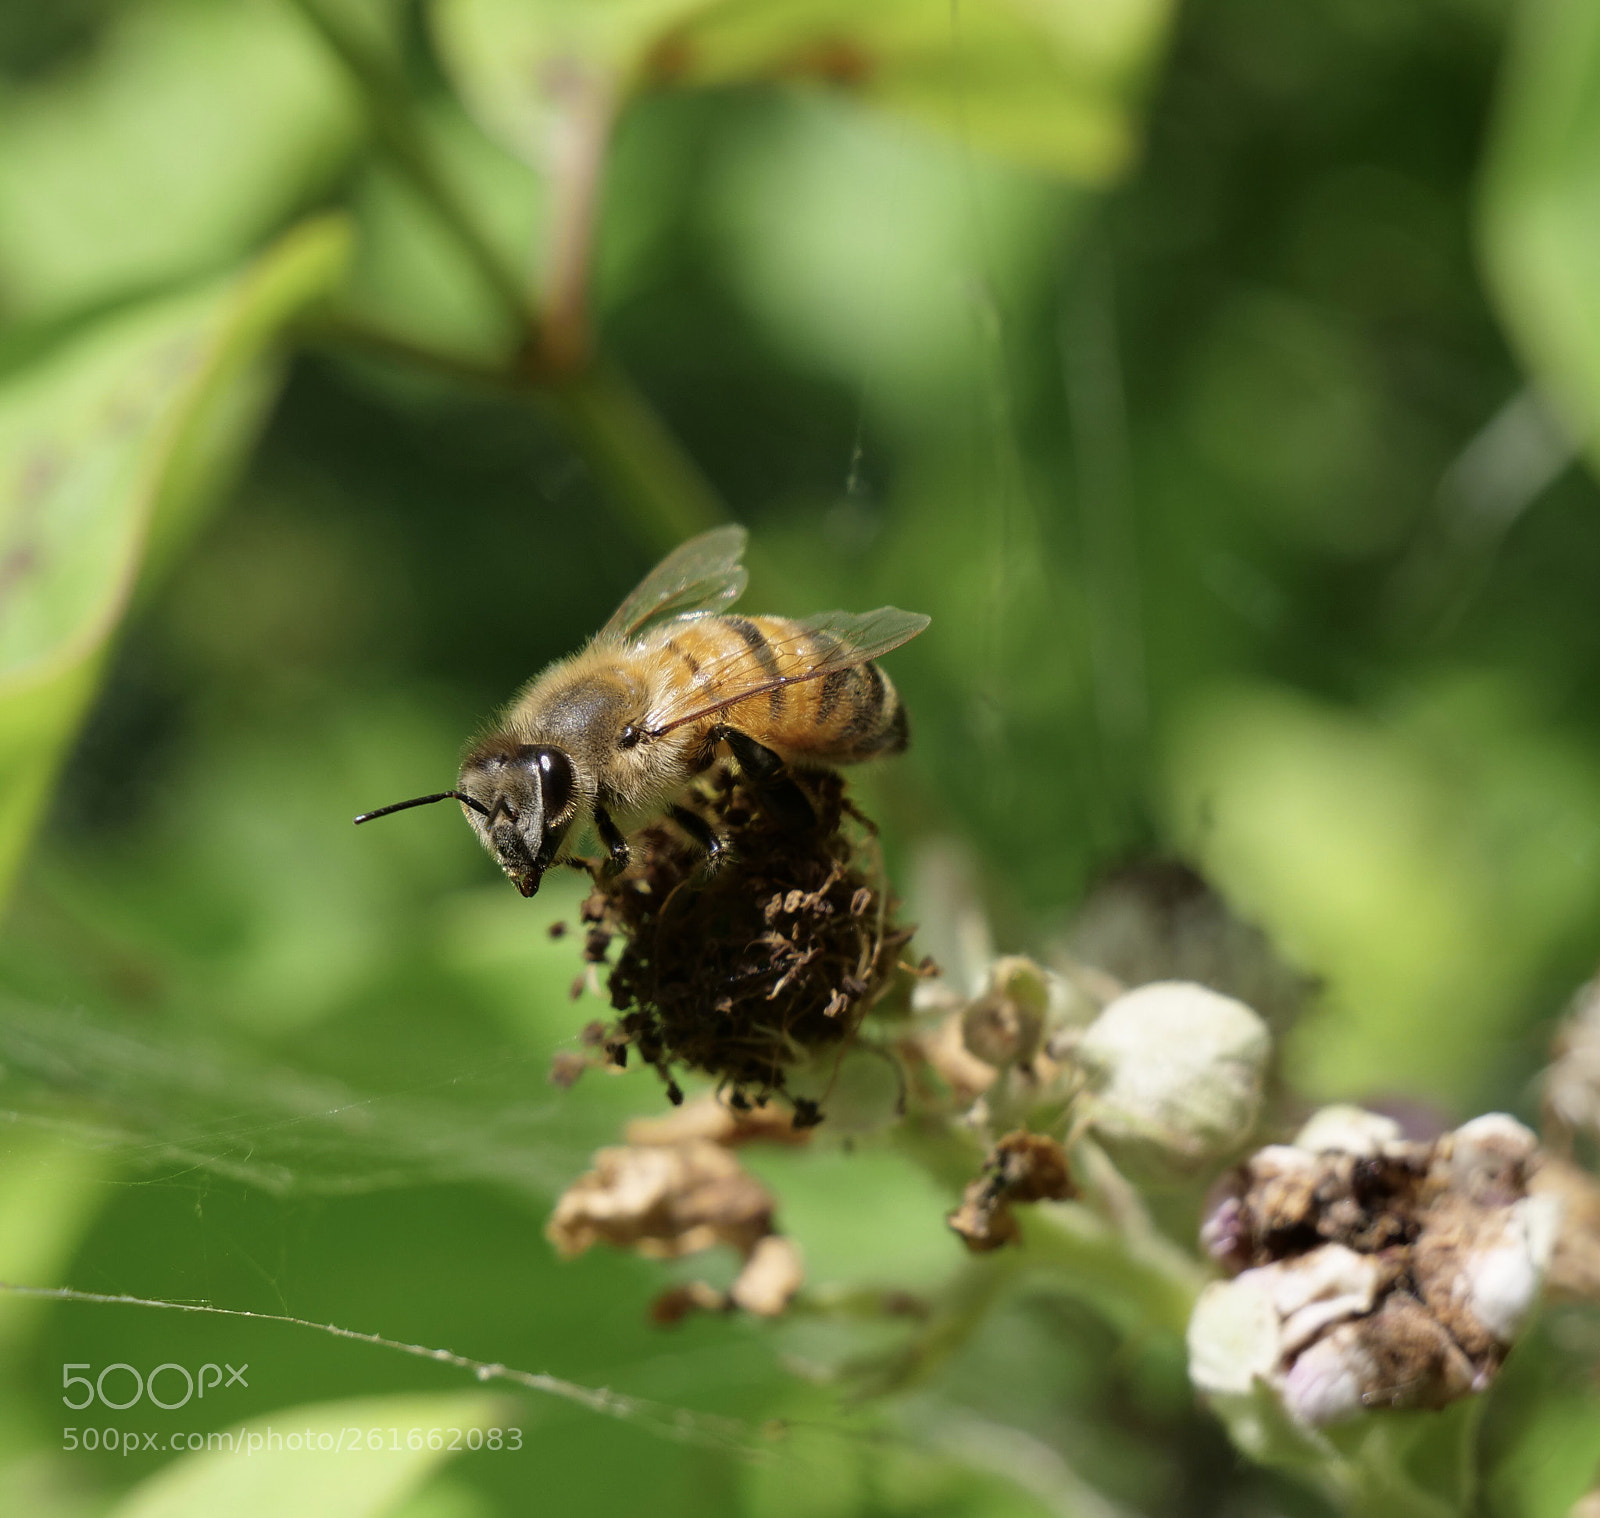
{"points": [[611, 737]]}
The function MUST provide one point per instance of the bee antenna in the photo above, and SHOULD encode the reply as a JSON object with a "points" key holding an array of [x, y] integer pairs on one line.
{"points": [[400, 806]]}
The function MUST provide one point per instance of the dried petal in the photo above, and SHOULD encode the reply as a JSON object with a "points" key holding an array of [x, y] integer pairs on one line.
{"points": [[1347, 1130], [663, 1201], [944, 1047], [1325, 1385], [1235, 1336], [677, 1302], [770, 1278], [1398, 1357], [566, 1066], [1488, 1158], [719, 1123], [1480, 1269], [1316, 1290]]}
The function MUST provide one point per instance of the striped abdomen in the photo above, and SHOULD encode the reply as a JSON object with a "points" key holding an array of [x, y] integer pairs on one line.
{"points": [[847, 714]]}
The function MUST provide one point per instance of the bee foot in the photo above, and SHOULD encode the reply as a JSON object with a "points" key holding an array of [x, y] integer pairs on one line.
{"points": [[701, 833]]}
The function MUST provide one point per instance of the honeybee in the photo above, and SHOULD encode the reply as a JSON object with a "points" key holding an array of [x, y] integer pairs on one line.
{"points": [[610, 738]]}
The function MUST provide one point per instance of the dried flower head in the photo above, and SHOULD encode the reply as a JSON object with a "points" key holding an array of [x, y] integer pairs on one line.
{"points": [[667, 1200], [1022, 1167], [1373, 1272], [747, 970]]}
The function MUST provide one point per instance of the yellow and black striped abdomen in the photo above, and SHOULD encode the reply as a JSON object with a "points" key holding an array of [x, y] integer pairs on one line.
{"points": [[839, 717]]}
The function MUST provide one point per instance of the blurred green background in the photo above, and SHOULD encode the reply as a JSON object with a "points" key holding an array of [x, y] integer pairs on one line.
{"points": [[1224, 379]]}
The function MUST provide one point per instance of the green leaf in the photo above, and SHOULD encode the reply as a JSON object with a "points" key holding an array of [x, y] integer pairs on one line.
{"points": [[300, 1460], [110, 448], [1427, 860], [1551, 1461], [50, 1190], [196, 128], [409, 279], [1541, 205], [1050, 83], [796, 207]]}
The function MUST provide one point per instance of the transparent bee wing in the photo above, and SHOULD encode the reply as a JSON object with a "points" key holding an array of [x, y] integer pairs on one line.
{"points": [[819, 645], [703, 574]]}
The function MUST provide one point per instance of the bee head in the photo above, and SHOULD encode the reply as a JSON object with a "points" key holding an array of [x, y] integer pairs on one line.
{"points": [[520, 802]]}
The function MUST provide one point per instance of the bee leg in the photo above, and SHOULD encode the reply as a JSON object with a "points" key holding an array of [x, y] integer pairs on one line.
{"points": [[700, 832], [764, 770], [611, 837]]}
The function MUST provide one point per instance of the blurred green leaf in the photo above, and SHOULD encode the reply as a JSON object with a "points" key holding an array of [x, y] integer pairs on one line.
{"points": [[321, 1476], [409, 279], [444, 1497], [1541, 205], [196, 127], [1049, 83], [821, 1476], [109, 448], [1555, 1461], [1427, 865], [50, 1190], [883, 255]]}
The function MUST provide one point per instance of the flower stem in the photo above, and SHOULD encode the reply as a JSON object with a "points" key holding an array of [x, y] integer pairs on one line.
{"points": [[1140, 1281], [388, 108], [660, 487], [1408, 1464]]}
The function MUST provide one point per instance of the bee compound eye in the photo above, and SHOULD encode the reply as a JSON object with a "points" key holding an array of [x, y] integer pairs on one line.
{"points": [[555, 780]]}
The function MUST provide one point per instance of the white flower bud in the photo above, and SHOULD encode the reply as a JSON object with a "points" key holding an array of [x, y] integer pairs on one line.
{"points": [[1503, 1281], [1488, 1158], [1318, 1289], [1235, 1337], [1245, 1329], [1347, 1130], [1175, 1075], [1485, 1279], [1325, 1384]]}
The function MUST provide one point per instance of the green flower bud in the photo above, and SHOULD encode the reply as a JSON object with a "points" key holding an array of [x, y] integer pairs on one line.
{"points": [[1005, 1026]]}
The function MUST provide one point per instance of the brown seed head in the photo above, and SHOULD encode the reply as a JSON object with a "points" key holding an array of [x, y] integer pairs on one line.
{"points": [[747, 970]]}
